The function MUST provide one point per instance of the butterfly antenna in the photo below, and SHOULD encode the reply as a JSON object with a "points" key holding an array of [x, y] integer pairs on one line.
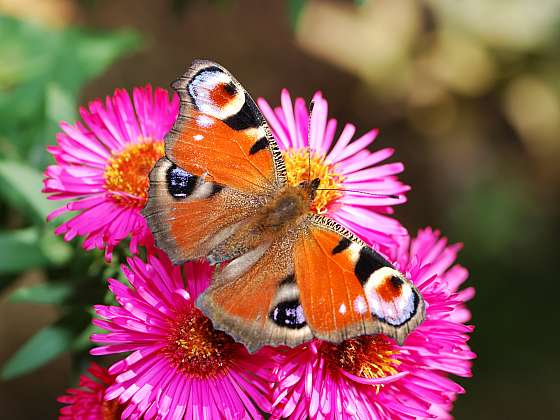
{"points": [[308, 163], [311, 105], [395, 196]]}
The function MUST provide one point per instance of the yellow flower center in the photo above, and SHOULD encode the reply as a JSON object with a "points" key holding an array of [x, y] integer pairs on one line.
{"points": [[370, 357], [126, 173], [196, 348], [301, 167]]}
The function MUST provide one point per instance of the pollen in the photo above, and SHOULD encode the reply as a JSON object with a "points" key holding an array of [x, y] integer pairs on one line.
{"points": [[111, 410], [195, 348], [126, 173], [302, 167], [370, 357]]}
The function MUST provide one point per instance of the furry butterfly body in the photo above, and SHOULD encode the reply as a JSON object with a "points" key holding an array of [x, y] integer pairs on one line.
{"points": [[221, 194]]}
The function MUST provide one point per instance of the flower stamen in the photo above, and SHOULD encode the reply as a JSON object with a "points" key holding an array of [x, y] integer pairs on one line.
{"points": [[195, 348], [370, 357], [126, 173], [111, 410], [303, 167]]}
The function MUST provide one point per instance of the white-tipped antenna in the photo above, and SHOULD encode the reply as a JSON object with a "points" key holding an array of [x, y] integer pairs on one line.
{"points": [[311, 106], [395, 196]]}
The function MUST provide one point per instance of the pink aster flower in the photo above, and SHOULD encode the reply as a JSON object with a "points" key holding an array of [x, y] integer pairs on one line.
{"points": [[179, 366], [88, 400], [102, 166], [371, 377], [370, 187]]}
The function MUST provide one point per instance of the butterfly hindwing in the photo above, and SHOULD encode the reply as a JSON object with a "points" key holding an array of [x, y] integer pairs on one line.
{"points": [[255, 298], [221, 132], [348, 289], [190, 215], [316, 280]]}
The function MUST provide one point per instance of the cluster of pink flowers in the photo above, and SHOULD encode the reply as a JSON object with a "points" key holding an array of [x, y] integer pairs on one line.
{"points": [[174, 364]]}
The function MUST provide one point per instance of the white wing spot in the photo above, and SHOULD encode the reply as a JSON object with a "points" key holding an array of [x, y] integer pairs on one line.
{"points": [[342, 309], [205, 121], [198, 137], [360, 305], [300, 317]]}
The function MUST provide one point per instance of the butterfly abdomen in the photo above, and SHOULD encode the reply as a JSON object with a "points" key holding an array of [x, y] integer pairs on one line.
{"points": [[285, 208]]}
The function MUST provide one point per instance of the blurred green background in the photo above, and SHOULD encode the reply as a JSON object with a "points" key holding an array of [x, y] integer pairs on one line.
{"points": [[468, 92]]}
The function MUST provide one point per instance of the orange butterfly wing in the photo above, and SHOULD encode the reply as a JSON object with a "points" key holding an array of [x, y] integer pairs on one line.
{"points": [[255, 299], [315, 280], [220, 133], [188, 214], [347, 289], [221, 163], [329, 288]]}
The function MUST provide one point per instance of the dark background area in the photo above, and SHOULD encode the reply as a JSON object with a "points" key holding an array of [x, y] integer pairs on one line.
{"points": [[468, 93]]}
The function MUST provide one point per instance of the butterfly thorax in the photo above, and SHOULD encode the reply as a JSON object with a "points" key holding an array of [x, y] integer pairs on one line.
{"points": [[288, 205], [281, 213]]}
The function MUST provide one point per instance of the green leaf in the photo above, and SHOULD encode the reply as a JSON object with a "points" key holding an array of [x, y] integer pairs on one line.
{"points": [[83, 342], [44, 346], [55, 249], [21, 185], [60, 104], [19, 251], [47, 344], [42, 71], [47, 293], [295, 9], [29, 248], [93, 52]]}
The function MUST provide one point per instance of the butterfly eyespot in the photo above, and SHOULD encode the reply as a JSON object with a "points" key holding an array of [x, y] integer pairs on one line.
{"points": [[288, 314], [406, 310], [180, 183], [390, 298], [213, 92]]}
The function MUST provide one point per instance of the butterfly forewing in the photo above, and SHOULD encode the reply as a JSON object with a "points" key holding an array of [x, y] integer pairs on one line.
{"points": [[220, 132], [221, 164]]}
